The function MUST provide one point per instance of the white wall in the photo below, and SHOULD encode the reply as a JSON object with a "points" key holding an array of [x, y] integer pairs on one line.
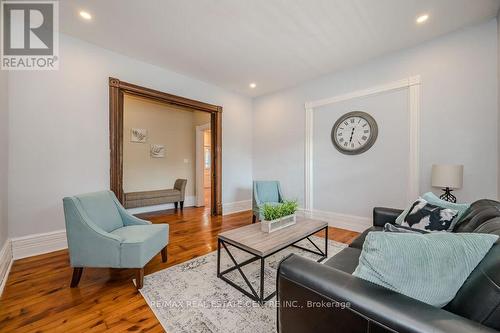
{"points": [[458, 111], [4, 154], [59, 131]]}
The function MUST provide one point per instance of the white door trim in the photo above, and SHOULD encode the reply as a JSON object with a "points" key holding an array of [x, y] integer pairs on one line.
{"points": [[413, 84], [6, 261], [200, 186]]}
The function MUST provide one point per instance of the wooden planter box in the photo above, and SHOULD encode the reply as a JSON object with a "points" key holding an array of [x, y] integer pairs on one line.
{"points": [[282, 222]]}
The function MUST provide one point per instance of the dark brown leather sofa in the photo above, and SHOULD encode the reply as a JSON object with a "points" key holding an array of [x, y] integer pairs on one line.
{"points": [[318, 298]]}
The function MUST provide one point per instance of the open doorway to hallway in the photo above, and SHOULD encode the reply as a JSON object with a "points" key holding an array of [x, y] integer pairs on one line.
{"points": [[207, 167], [159, 155], [203, 165]]}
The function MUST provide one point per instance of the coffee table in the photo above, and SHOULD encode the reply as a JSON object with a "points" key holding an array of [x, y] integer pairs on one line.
{"points": [[261, 245]]}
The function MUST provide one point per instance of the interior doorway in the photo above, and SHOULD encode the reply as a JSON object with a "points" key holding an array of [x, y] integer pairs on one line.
{"points": [[207, 169], [159, 153], [203, 165], [117, 90]]}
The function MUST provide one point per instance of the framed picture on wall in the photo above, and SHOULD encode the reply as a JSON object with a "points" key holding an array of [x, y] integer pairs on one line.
{"points": [[157, 151], [139, 135]]}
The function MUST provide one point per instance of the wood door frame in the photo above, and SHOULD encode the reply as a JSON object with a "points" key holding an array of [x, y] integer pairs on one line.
{"points": [[117, 90]]}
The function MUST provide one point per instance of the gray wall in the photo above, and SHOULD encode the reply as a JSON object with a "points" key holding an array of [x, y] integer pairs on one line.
{"points": [[459, 112], [4, 153], [352, 184]]}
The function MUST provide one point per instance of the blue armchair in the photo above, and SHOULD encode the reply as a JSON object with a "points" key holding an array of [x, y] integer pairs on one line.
{"points": [[101, 233], [265, 191]]}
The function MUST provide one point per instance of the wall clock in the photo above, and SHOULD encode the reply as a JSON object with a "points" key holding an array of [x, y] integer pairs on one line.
{"points": [[354, 133]]}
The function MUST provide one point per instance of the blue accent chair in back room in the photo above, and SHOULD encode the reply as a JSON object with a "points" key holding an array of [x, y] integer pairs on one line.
{"points": [[101, 233], [265, 191]]}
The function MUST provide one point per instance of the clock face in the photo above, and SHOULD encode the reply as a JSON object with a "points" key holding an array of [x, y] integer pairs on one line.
{"points": [[354, 133]]}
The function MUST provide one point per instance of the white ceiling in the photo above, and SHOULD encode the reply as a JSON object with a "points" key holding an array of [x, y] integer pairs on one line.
{"points": [[275, 43]]}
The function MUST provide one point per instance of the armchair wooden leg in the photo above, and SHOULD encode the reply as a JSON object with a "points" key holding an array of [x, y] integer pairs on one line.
{"points": [[164, 256], [139, 280], [176, 204], [254, 219], [77, 274], [182, 205]]}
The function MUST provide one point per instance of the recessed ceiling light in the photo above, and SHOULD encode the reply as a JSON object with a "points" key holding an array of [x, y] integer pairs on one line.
{"points": [[85, 15], [422, 18], [252, 85]]}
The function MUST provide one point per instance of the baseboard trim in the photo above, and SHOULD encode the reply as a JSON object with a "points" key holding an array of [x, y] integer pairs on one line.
{"points": [[6, 261], [338, 220], [188, 202], [236, 207], [32, 245]]}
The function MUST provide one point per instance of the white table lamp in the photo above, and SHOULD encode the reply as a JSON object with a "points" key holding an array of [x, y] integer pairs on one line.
{"points": [[448, 177]]}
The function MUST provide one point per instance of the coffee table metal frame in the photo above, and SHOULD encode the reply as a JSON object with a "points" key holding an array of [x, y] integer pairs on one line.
{"points": [[259, 297]]}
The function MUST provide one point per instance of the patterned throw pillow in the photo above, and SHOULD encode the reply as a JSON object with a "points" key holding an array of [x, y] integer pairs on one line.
{"points": [[434, 200], [425, 216], [460, 207]]}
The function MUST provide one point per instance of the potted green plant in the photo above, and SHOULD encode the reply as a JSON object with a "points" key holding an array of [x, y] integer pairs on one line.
{"points": [[278, 216]]}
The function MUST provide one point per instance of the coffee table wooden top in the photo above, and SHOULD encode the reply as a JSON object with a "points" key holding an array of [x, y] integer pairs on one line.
{"points": [[260, 243]]}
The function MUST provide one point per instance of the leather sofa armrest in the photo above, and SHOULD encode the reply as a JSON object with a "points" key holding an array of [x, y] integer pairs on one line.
{"points": [[300, 280], [383, 215]]}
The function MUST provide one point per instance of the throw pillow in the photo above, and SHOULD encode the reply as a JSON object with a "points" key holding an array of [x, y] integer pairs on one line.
{"points": [[430, 268], [399, 228], [422, 215], [435, 200]]}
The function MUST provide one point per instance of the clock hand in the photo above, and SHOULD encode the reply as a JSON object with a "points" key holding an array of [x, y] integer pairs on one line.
{"points": [[352, 132]]}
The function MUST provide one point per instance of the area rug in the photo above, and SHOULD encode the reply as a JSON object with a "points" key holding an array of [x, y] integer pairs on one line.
{"points": [[189, 298]]}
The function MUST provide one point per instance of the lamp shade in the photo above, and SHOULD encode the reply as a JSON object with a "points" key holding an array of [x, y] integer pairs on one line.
{"points": [[446, 175]]}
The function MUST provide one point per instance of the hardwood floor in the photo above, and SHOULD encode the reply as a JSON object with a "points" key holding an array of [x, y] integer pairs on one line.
{"points": [[37, 297]]}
